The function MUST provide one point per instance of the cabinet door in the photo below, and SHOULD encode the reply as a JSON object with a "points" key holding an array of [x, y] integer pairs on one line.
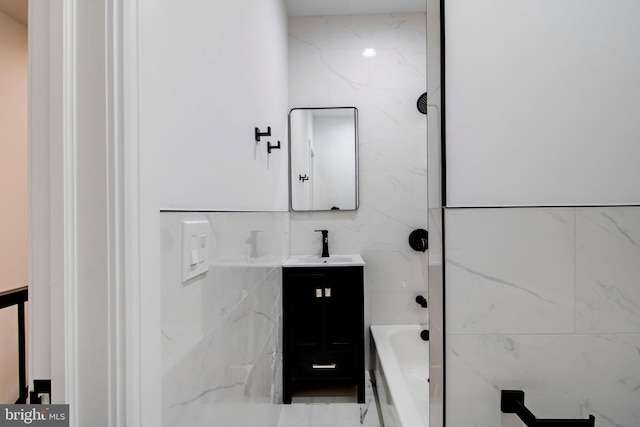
{"points": [[303, 302], [342, 310]]}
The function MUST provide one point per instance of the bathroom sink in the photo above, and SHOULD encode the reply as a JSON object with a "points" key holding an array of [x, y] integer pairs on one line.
{"points": [[318, 261]]}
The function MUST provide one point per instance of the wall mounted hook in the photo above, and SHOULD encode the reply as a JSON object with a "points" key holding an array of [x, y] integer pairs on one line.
{"points": [[272, 147], [261, 134]]}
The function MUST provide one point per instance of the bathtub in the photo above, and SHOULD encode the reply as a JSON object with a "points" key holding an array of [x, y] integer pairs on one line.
{"points": [[400, 370]]}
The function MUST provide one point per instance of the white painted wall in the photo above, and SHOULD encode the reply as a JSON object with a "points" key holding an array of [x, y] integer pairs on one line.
{"points": [[218, 70], [542, 102]]}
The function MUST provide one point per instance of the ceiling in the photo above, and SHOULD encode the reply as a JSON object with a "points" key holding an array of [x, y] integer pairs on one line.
{"points": [[352, 7], [17, 9]]}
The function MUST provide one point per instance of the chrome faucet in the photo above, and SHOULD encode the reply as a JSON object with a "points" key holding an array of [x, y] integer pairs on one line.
{"points": [[325, 243]]}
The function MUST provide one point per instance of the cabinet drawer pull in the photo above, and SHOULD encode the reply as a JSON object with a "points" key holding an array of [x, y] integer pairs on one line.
{"points": [[330, 366]]}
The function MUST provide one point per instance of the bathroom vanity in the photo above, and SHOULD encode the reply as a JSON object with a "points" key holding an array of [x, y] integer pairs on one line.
{"points": [[323, 323]]}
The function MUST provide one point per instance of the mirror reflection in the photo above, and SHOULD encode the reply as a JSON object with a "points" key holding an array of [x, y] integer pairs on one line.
{"points": [[323, 150]]}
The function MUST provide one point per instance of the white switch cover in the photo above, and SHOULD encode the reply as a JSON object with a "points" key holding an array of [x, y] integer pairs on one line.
{"points": [[195, 249]]}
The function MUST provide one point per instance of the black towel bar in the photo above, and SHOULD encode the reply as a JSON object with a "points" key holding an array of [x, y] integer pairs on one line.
{"points": [[512, 402]]}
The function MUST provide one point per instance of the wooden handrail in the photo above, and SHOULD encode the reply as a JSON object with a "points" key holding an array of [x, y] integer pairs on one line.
{"points": [[13, 296]]}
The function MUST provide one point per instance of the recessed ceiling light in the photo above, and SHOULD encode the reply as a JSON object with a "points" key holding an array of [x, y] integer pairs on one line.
{"points": [[369, 52]]}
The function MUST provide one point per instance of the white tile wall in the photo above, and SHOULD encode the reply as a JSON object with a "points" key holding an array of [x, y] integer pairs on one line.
{"points": [[608, 268], [510, 270], [544, 300], [563, 376], [326, 68], [221, 331]]}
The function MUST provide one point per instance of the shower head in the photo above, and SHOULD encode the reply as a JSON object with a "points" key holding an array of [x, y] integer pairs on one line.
{"points": [[422, 103]]}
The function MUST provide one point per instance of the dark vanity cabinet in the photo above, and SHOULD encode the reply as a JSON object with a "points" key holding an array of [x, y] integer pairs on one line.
{"points": [[323, 327]]}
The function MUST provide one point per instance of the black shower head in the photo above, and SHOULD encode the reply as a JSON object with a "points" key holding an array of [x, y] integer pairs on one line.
{"points": [[422, 103]]}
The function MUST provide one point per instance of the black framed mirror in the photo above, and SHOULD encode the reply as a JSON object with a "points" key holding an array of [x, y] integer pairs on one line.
{"points": [[323, 158]]}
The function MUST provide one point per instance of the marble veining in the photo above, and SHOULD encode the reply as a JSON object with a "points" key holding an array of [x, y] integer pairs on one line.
{"points": [[500, 281], [621, 229], [221, 331], [500, 266], [206, 392], [578, 352], [608, 298]]}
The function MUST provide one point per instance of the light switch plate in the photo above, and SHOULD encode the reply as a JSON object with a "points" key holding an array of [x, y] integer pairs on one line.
{"points": [[195, 249]]}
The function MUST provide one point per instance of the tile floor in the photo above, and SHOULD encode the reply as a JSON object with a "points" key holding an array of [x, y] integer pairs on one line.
{"points": [[338, 410]]}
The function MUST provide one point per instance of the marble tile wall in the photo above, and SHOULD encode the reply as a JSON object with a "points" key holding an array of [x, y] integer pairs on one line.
{"points": [[221, 331], [546, 300], [327, 69]]}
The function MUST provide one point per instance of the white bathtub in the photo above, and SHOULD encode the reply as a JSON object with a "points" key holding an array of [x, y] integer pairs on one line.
{"points": [[400, 368]]}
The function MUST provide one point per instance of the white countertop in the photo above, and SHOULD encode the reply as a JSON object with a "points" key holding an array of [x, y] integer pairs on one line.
{"points": [[349, 260]]}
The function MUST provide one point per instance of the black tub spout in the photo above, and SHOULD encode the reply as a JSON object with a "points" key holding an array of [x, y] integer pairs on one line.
{"points": [[422, 301]]}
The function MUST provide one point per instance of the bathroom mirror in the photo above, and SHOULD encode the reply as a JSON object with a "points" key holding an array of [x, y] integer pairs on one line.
{"points": [[323, 158]]}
